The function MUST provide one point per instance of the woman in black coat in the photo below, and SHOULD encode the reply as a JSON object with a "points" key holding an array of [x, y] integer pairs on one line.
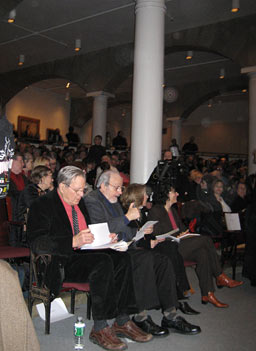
{"points": [[41, 182]]}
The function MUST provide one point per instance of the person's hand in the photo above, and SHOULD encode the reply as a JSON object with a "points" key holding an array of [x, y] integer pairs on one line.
{"points": [[114, 237], [153, 243], [148, 230], [83, 237], [133, 212], [183, 233]]}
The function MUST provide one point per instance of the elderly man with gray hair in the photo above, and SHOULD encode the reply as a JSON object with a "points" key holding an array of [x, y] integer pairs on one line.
{"points": [[154, 277], [57, 225]]}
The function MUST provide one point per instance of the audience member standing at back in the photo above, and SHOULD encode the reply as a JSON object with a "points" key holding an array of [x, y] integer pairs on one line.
{"points": [[190, 148], [73, 138], [97, 150], [119, 142]]}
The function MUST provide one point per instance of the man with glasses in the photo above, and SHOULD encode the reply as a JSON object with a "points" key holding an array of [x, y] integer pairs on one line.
{"points": [[57, 225], [153, 276]]}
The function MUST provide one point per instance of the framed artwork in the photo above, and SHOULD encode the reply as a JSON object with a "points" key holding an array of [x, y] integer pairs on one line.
{"points": [[28, 128]]}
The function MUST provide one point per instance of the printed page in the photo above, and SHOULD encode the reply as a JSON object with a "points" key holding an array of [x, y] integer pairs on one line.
{"points": [[140, 234], [101, 236]]}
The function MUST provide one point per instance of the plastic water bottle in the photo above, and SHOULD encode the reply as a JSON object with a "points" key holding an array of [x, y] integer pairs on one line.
{"points": [[79, 328]]}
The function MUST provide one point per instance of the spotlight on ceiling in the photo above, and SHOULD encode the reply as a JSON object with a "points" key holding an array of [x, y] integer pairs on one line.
{"points": [[189, 55], [12, 15], [210, 103], [222, 73], [68, 85], [235, 6], [21, 60], [78, 45]]}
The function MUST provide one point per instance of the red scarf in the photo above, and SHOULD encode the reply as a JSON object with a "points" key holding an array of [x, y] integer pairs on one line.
{"points": [[172, 220]]}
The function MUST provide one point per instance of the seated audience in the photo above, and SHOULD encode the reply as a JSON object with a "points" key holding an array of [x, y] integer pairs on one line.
{"points": [[136, 194], [18, 182], [153, 274], [41, 182], [42, 161], [213, 223], [241, 200], [199, 248], [28, 164], [57, 225]]}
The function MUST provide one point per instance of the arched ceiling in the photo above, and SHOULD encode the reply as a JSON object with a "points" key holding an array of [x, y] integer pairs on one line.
{"points": [[45, 32]]}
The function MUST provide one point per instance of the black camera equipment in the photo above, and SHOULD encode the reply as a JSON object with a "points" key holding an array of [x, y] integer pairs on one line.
{"points": [[165, 175]]}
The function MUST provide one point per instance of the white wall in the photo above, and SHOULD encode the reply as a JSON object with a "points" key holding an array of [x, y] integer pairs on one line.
{"points": [[220, 128], [51, 109]]}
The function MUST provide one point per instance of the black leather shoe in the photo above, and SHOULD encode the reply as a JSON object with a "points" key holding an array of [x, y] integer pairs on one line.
{"points": [[186, 309], [150, 327], [180, 325]]}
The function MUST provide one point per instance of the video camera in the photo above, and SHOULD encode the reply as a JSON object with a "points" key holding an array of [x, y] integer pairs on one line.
{"points": [[166, 174]]}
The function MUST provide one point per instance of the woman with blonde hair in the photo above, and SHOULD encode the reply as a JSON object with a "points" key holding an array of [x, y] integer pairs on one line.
{"points": [[42, 161]]}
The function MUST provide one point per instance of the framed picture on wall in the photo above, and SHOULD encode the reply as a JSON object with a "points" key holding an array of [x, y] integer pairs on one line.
{"points": [[28, 128]]}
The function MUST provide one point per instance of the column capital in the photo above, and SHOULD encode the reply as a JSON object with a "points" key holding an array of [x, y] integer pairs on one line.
{"points": [[100, 93], [250, 70], [150, 3]]}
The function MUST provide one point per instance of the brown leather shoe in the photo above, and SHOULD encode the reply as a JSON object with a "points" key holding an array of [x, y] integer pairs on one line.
{"points": [[224, 280], [212, 299], [107, 339], [131, 331]]}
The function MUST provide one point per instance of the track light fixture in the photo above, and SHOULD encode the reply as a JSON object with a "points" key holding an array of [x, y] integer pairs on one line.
{"points": [[235, 6], [222, 73], [67, 96], [189, 55], [78, 45], [12, 15], [21, 60], [210, 103]]}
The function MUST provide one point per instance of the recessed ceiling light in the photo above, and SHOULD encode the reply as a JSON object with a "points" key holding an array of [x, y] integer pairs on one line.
{"points": [[78, 45], [235, 6], [222, 73], [189, 55], [21, 60], [12, 15]]}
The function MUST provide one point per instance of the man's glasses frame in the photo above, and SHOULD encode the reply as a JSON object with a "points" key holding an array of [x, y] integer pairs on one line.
{"points": [[117, 188], [83, 191]]}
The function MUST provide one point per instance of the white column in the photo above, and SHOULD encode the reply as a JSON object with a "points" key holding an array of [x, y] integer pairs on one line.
{"points": [[251, 71], [146, 139], [99, 114], [176, 131]]}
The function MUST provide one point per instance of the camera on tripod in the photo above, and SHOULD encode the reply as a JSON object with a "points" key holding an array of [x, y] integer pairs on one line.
{"points": [[165, 175]]}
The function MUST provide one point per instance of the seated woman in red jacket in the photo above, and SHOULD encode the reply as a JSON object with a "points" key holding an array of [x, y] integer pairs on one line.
{"points": [[199, 248]]}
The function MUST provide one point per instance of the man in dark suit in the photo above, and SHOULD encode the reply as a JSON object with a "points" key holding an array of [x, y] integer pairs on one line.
{"points": [[57, 225], [154, 278]]}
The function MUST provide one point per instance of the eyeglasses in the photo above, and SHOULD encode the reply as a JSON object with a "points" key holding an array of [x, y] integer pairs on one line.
{"points": [[81, 191], [117, 188]]}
